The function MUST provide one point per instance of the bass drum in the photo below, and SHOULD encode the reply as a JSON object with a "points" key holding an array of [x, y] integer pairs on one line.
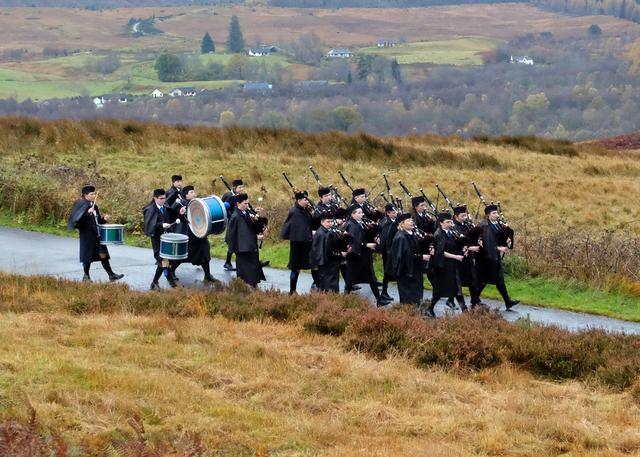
{"points": [[207, 216]]}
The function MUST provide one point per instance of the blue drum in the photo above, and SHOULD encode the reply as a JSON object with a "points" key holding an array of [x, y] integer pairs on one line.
{"points": [[111, 233], [174, 246], [207, 216]]}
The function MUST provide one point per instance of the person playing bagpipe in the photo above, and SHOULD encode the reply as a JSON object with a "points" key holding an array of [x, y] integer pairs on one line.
{"points": [[243, 242], [467, 268], [406, 262], [360, 257], [297, 229], [490, 269], [326, 256], [158, 219], [327, 204], [421, 217], [388, 227], [85, 216], [444, 264], [199, 249], [237, 187], [360, 199]]}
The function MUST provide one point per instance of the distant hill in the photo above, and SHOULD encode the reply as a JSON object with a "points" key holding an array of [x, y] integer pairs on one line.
{"points": [[108, 4]]}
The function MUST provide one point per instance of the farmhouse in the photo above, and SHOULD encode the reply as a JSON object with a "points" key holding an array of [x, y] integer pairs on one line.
{"points": [[257, 87], [524, 60], [100, 100], [157, 93], [184, 92], [342, 53], [386, 43]]}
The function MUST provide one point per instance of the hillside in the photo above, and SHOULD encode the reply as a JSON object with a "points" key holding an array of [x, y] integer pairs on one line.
{"points": [[107, 371]]}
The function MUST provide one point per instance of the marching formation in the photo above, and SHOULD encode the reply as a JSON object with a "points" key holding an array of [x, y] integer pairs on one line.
{"points": [[331, 238]]}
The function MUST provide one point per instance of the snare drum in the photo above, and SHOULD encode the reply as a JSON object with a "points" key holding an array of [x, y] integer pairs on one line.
{"points": [[207, 216], [174, 246], [111, 233]]}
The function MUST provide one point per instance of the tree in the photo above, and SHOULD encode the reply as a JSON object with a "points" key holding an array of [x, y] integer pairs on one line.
{"points": [[169, 67], [235, 42], [395, 71], [227, 118], [594, 29], [364, 64], [349, 78], [207, 44]]}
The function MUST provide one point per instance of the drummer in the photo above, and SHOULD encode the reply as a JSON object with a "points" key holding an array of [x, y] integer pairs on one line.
{"points": [[85, 216], [158, 218], [199, 248]]}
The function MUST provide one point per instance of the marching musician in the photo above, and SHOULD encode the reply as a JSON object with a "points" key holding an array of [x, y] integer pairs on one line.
{"points": [[420, 215], [327, 204], [199, 249], [85, 216], [297, 229], [326, 256], [387, 229], [360, 199], [243, 242], [406, 262], [173, 192], [237, 187], [158, 219], [467, 268], [490, 267], [360, 258], [444, 264]]}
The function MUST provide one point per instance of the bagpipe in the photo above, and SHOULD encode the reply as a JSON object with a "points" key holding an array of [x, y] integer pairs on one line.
{"points": [[470, 233], [258, 222], [339, 204], [372, 213]]}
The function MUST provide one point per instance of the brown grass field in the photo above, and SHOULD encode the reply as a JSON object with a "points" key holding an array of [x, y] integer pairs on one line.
{"points": [[263, 387], [36, 28]]}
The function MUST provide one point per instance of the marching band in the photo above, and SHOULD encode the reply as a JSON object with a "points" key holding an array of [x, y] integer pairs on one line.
{"points": [[330, 238]]}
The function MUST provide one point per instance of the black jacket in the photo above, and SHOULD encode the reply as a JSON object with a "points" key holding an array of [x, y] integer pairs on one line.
{"points": [[406, 260], [388, 229], [297, 226], [153, 219], [240, 236], [172, 193], [87, 225]]}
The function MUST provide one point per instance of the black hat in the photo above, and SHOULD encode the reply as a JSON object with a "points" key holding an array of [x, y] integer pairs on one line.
{"points": [[415, 201], [323, 191], [301, 195], [462, 208], [358, 191], [158, 193], [352, 208], [175, 178], [186, 189], [389, 207], [490, 208], [403, 217], [241, 197], [444, 216], [87, 189], [327, 215], [237, 182]]}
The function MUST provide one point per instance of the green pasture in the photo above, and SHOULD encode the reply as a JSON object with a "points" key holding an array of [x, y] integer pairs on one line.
{"points": [[459, 51]]}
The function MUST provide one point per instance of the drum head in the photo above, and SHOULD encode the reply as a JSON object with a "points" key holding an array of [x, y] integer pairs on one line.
{"points": [[199, 218]]}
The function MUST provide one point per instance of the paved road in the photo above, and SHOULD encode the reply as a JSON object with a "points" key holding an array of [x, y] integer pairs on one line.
{"points": [[32, 253]]}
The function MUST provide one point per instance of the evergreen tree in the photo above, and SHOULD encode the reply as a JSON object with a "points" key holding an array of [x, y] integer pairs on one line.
{"points": [[235, 42], [395, 71], [169, 67], [349, 78], [207, 44]]}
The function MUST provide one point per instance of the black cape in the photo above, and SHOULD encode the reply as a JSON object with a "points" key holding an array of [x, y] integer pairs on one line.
{"points": [[241, 239], [489, 260], [90, 248], [359, 260], [445, 276]]}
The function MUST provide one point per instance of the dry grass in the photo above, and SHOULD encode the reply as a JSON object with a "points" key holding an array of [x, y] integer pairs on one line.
{"points": [[36, 28], [246, 387]]}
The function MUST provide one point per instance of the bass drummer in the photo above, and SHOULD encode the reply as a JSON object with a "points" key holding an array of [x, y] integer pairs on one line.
{"points": [[85, 216], [199, 248], [158, 218]]}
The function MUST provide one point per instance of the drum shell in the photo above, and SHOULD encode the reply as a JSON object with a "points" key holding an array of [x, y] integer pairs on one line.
{"points": [[111, 233], [174, 246], [207, 216]]}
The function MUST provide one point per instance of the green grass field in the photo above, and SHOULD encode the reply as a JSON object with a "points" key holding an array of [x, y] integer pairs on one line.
{"points": [[460, 51], [71, 76]]}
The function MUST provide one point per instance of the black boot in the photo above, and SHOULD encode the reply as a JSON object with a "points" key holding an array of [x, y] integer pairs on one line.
{"points": [[207, 273], [461, 303], [293, 282], [107, 267], [86, 267]]}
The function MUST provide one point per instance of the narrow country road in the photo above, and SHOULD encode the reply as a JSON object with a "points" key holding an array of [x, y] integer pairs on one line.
{"points": [[31, 253]]}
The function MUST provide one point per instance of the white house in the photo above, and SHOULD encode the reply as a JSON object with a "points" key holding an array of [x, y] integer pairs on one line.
{"points": [[340, 53], [386, 43], [184, 92], [157, 93], [524, 60], [100, 100], [259, 52]]}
